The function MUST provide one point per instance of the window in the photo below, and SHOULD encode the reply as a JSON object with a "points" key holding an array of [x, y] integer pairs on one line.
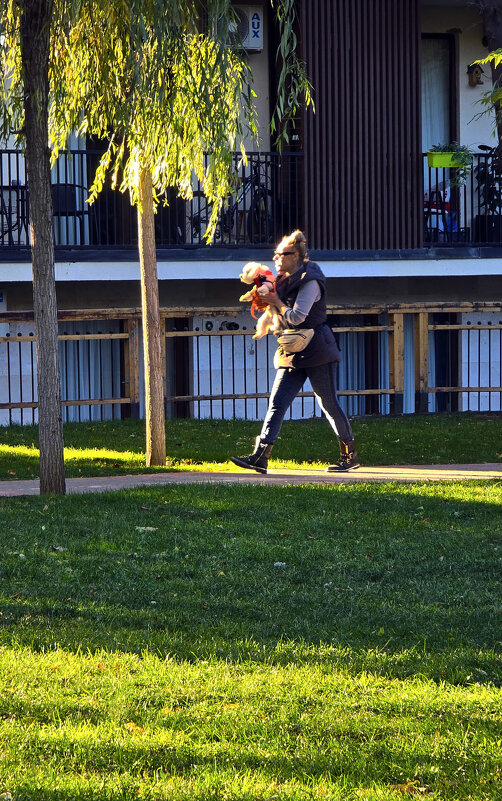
{"points": [[438, 90]]}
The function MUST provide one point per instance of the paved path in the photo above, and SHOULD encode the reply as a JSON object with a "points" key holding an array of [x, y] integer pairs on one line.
{"points": [[403, 473]]}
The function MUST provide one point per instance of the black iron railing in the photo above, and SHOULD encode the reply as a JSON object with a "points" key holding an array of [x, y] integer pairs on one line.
{"points": [[264, 204], [469, 214]]}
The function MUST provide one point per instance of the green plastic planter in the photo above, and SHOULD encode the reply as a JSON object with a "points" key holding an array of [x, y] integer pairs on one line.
{"points": [[436, 159]]}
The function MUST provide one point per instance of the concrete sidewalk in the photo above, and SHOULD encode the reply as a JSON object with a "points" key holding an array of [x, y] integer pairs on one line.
{"points": [[402, 473]]}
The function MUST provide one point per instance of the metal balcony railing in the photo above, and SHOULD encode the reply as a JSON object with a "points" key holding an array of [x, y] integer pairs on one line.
{"points": [[469, 214], [267, 201], [265, 204]]}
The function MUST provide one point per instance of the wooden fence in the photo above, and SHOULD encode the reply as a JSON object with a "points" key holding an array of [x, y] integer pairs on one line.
{"points": [[395, 359]]}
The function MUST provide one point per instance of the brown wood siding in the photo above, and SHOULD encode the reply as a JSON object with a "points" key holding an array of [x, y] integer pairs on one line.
{"points": [[363, 181]]}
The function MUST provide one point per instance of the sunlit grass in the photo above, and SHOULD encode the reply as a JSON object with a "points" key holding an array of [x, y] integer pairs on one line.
{"points": [[106, 461], [104, 448], [7, 451], [103, 456], [160, 729], [22, 461]]}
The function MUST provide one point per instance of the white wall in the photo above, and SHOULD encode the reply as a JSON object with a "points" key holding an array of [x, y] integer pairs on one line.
{"points": [[259, 63], [465, 23]]}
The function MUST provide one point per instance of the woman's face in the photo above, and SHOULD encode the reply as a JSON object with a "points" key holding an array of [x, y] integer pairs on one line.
{"points": [[287, 258]]}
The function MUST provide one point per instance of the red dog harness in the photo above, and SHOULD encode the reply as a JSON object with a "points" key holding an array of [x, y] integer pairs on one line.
{"points": [[265, 277]]}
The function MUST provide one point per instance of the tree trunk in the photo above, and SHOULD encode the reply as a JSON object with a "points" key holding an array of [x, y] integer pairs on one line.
{"points": [[35, 33], [154, 380]]}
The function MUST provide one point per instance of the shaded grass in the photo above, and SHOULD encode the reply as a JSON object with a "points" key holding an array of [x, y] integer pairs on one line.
{"points": [[208, 642], [117, 447], [401, 576]]}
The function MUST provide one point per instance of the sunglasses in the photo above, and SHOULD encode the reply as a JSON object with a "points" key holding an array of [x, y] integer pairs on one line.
{"points": [[278, 255]]}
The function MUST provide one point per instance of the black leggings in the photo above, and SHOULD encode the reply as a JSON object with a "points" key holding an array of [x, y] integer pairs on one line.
{"points": [[288, 383]]}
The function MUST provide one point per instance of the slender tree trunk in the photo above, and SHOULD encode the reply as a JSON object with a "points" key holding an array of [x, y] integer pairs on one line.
{"points": [[154, 382], [35, 33]]}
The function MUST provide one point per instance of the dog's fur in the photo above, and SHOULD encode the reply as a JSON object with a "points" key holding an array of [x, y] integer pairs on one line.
{"points": [[270, 321]]}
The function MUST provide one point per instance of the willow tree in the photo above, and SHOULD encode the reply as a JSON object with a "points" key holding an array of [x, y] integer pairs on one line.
{"points": [[174, 102], [139, 74], [26, 36]]}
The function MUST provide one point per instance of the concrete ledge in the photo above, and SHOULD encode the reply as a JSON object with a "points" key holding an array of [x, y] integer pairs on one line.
{"points": [[103, 271]]}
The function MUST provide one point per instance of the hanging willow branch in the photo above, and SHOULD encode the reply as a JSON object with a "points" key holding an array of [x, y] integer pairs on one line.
{"points": [[294, 88], [142, 74]]}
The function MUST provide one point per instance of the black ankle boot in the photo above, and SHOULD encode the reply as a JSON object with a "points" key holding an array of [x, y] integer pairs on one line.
{"points": [[258, 460], [348, 459]]}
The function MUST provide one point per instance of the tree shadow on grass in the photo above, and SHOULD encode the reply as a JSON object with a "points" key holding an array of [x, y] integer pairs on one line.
{"points": [[393, 580]]}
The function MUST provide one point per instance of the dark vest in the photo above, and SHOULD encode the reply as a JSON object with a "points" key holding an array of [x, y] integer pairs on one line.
{"points": [[322, 348], [287, 288]]}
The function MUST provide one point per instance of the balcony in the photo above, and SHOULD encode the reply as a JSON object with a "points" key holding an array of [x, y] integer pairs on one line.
{"points": [[468, 215], [268, 201]]}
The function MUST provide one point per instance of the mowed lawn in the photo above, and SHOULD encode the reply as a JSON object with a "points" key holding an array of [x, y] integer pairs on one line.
{"points": [[251, 642], [117, 447]]}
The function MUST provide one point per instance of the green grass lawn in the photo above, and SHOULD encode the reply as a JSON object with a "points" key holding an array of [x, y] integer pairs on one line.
{"points": [[110, 448], [256, 643]]}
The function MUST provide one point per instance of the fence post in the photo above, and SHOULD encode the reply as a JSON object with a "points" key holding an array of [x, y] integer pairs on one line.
{"points": [[396, 362], [131, 366], [422, 361]]}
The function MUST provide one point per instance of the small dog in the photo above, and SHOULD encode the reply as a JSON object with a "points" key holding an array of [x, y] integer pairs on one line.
{"points": [[270, 321]]}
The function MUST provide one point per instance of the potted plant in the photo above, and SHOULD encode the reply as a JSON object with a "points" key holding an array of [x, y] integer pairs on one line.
{"points": [[454, 156]]}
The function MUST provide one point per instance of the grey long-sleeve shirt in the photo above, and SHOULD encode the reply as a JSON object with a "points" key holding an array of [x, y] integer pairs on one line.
{"points": [[308, 294]]}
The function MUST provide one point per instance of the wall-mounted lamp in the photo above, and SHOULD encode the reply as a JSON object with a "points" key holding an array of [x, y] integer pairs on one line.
{"points": [[475, 71]]}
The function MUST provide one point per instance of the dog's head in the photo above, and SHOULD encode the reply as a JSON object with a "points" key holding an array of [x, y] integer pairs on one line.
{"points": [[253, 270]]}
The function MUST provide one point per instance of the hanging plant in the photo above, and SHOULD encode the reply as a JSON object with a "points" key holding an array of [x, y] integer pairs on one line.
{"points": [[452, 156]]}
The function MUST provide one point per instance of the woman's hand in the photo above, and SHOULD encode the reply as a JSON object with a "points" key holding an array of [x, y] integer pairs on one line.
{"points": [[272, 299]]}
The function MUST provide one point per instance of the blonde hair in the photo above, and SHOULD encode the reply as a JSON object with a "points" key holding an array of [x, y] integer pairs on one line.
{"points": [[298, 240]]}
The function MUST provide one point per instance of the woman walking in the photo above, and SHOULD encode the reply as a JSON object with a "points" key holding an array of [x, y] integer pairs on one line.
{"points": [[300, 298]]}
